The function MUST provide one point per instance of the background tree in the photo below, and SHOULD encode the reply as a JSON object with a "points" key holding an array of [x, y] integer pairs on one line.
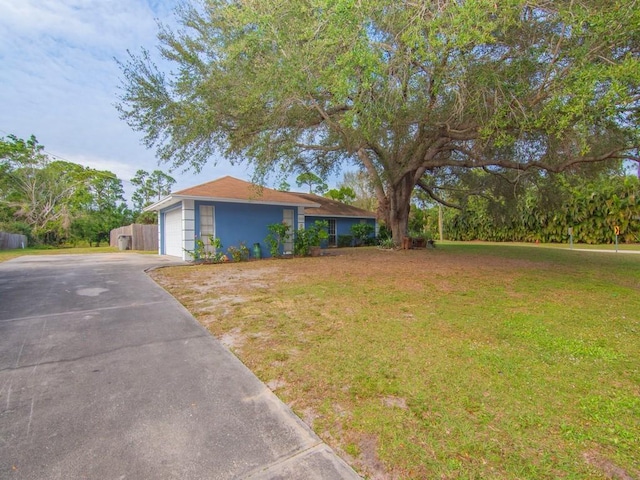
{"points": [[314, 182], [539, 208], [284, 186], [150, 188], [342, 194], [101, 207], [360, 183], [401, 89], [37, 191], [51, 200]]}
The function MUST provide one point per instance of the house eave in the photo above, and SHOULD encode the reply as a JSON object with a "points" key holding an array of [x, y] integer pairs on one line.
{"points": [[162, 204], [172, 199], [310, 214]]}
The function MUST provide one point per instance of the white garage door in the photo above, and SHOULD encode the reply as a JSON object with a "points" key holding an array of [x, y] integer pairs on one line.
{"points": [[173, 233]]}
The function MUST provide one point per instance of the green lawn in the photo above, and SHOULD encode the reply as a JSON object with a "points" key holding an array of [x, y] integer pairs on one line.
{"points": [[9, 254], [467, 361]]}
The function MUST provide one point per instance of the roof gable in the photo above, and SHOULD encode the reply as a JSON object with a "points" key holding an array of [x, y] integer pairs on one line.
{"points": [[230, 188]]}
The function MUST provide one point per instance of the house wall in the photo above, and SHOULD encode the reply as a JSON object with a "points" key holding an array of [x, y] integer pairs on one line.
{"points": [[343, 224], [243, 222], [187, 228]]}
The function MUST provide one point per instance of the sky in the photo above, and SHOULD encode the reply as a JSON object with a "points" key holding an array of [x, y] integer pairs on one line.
{"points": [[59, 81]]}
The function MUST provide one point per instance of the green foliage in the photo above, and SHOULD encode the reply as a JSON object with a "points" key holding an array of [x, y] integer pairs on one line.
{"points": [[313, 236], [592, 207], [284, 186], [20, 228], [423, 222], [100, 210], [363, 190], [150, 188], [345, 241], [208, 252], [57, 201], [315, 183], [278, 234], [400, 89], [362, 232], [239, 253], [343, 194], [387, 243]]}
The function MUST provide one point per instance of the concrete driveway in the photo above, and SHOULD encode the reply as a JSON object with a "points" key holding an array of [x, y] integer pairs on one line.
{"points": [[103, 375]]}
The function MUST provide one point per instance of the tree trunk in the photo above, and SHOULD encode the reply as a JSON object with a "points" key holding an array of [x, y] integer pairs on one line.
{"points": [[399, 196]]}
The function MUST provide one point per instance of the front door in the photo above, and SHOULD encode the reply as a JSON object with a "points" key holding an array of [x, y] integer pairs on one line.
{"points": [[287, 217], [207, 227]]}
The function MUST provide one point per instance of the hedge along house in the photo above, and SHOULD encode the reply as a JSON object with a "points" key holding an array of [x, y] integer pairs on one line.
{"points": [[229, 209], [340, 217]]}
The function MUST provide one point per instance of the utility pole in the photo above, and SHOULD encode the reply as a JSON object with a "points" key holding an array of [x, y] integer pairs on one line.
{"points": [[440, 220]]}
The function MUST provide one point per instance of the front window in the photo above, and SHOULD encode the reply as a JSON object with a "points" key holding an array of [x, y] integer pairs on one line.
{"points": [[333, 240]]}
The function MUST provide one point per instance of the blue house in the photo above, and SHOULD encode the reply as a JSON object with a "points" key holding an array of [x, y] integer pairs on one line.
{"points": [[340, 217], [237, 212]]}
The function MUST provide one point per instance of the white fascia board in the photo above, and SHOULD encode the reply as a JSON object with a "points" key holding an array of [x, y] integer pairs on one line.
{"points": [[249, 202], [336, 216], [162, 204]]}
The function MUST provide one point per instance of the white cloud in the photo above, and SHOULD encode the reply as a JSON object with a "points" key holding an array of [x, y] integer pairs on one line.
{"points": [[59, 80], [103, 25], [124, 171]]}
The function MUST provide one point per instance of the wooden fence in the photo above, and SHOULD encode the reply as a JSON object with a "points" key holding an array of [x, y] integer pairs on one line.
{"points": [[143, 237], [10, 241]]}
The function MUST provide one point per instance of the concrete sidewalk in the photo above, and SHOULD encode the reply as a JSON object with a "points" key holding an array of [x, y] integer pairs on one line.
{"points": [[594, 250], [103, 375]]}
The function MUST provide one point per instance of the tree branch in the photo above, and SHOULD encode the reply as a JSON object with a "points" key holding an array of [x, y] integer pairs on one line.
{"points": [[429, 191], [475, 161]]}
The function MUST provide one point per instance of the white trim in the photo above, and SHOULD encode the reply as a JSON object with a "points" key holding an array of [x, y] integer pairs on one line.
{"points": [[168, 201], [326, 215], [188, 227]]}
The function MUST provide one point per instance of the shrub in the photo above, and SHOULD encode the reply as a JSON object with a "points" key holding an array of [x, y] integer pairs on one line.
{"points": [[202, 252], [240, 253], [345, 240], [310, 237], [386, 243], [361, 232], [279, 233]]}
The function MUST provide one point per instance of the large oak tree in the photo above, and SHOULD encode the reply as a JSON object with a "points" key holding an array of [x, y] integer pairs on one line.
{"points": [[399, 88]]}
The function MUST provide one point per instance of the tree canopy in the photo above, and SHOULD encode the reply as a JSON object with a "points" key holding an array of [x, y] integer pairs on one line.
{"points": [[313, 181], [150, 187], [53, 200], [400, 89]]}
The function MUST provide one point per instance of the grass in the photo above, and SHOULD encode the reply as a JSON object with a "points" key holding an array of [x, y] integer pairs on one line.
{"points": [[468, 361], [9, 254]]}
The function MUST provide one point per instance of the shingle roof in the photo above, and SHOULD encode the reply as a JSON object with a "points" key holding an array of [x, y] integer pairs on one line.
{"points": [[230, 188], [332, 208]]}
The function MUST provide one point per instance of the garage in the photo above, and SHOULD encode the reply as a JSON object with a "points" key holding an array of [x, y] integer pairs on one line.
{"points": [[173, 233]]}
